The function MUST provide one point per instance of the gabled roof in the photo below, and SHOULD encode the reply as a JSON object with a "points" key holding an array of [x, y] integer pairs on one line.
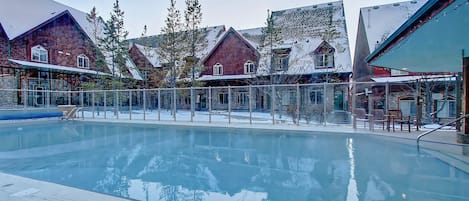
{"points": [[212, 34], [254, 36], [430, 41], [382, 20], [150, 53], [17, 19], [222, 39], [303, 30]]}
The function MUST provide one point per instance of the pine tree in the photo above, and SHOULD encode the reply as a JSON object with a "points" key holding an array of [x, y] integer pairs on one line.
{"points": [[195, 38], [170, 48], [114, 44], [147, 52], [272, 37], [100, 63]]}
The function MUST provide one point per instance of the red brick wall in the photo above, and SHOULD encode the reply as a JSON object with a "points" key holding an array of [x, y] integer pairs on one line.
{"points": [[232, 53], [3, 47], [63, 35]]}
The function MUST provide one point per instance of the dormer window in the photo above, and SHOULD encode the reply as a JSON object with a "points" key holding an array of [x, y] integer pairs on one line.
{"points": [[324, 56], [39, 54], [83, 61], [249, 67], [218, 69], [281, 59]]}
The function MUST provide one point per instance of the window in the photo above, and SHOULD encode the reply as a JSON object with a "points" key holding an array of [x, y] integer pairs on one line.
{"points": [[281, 62], [242, 98], [223, 98], [281, 59], [324, 56], [217, 69], [249, 67], [83, 61], [316, 97], [39, 54], [324, 61]]}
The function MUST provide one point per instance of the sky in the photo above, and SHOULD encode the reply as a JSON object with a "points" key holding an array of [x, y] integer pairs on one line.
{"points": [[239, 14]]}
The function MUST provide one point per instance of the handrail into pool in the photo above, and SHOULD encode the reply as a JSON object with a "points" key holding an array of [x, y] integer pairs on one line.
{"points": [[435, 129]]}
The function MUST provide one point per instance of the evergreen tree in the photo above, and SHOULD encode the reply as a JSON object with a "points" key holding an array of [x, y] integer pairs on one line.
{"points": [[114, 44], [195, 38], [100, 63], [170, 48], [271, 37], [148, 53]]}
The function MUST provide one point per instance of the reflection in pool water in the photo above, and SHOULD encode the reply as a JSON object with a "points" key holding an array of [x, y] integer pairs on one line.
{"points": [[146, 162]]}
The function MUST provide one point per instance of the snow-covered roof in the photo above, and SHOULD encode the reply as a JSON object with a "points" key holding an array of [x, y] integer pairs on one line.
{"points": [[150, 54], [17, 18], [381, 21], [20, 16], [224, 77], [302, 30], [253, 36], [44, 66]]}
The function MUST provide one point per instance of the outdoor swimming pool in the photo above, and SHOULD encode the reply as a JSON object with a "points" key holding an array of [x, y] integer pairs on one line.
{"points": [[149, 162]]}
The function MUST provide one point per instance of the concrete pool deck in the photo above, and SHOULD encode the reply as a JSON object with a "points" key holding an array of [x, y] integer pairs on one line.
{"points": [[14, 188]]}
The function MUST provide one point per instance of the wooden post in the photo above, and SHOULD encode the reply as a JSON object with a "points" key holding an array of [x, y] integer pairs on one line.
{"points": [[463, 137]]}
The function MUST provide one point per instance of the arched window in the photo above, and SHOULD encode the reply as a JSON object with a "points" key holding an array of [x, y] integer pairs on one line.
{"points": [[249, 67], [39, 54], [218, 69], [83, 61]]}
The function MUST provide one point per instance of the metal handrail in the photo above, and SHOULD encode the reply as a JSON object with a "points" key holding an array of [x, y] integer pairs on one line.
{"points": [[435, 129]]}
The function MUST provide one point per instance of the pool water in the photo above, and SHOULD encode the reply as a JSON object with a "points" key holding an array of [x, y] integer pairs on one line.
{"points": [[147, 162]]}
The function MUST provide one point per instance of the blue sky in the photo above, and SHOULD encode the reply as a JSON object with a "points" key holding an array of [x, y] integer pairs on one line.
{"points": [[239, 14]]}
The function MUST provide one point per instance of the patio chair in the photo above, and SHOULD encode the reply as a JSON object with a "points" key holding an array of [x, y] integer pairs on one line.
{"points": [[360, 115], [397, 117], [379, 117]]}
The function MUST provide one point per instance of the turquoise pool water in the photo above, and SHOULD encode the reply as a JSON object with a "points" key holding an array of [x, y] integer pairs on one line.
{"points": [[146, 162]]}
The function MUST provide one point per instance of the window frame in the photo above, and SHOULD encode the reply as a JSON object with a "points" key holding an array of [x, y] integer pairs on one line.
{"points": [[40, 51], [323, 61], [249, 68], [85, 59], [217, 69]]}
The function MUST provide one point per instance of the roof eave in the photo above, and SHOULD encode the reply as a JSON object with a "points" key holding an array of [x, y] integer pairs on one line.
{"points": [[401, 30]]}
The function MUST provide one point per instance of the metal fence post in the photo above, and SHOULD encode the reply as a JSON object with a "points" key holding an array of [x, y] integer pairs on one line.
{"points": [[272, 107], [82, 98], [92, 102], [144, 104], [105, 105], [159, 104], [250, 104], [69, 94], [209, 104], [297, 104], [25, 98], [174, 104], [324, 103], [130, 104], [354, 97], [116, 104], [192, 104], [229, 104]]}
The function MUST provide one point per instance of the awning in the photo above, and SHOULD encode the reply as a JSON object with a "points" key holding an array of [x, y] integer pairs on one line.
{"points": [[435, 78], [56, 68], [428, 44]]}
